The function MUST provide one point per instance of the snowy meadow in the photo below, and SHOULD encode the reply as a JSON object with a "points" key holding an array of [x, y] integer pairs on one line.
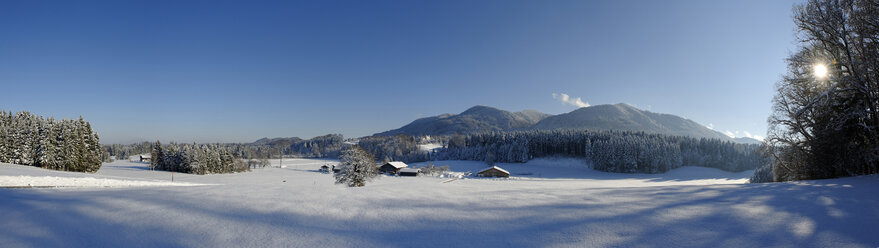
{"points": [[546, 203]]}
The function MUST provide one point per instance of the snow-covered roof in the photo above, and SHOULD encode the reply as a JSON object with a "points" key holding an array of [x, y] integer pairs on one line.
{"points": [[409, 170], [493, 167], [398, 164], [145, 156]]}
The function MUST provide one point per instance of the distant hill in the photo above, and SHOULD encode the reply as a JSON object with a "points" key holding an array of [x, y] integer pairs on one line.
{"points": [[532, 116], [627, 118], [600, 117], [746, 140], [475, 119]]}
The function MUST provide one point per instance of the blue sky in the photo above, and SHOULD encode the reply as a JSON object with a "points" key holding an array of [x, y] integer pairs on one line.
{"points": [[236, 71]]}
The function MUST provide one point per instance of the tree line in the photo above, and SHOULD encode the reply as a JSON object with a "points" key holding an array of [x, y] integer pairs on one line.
{"points": [[318, 147], [200, 159], [394, 148], [67, 145], [611, 151], [122, 152]]}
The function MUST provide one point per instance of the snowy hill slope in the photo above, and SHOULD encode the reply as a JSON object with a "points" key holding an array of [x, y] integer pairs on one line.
{"points": [[475, 119], [299, 207], [621, 116], [627, 118]]}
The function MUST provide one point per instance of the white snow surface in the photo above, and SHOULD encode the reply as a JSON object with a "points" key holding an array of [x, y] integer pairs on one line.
{"points": [[19, 176], [430, 146], [546, 203], [50, 181]]}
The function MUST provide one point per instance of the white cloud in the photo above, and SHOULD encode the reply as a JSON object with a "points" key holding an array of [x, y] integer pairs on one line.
{"points": [[565, 99]]}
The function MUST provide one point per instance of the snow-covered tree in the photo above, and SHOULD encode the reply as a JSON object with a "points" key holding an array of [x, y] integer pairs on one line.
{"points": [[358, 167], [28, 139]]}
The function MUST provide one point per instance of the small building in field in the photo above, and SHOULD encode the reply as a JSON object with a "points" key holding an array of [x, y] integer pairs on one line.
{"points": [[336, 168], [392, 167], [493, 171], [141, 158], [324, 168], [409, 172]]}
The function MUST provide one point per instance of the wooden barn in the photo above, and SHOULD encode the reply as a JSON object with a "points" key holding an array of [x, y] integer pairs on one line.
{"points": [[392, 167], [144, 158], [409, 172], [493, 171]]}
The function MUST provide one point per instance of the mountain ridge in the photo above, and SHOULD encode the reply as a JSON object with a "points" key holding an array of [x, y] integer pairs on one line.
{"points": [[621, 116], [478, 118]]}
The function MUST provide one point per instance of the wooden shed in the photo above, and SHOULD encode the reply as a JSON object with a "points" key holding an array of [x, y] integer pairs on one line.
{"points": [[493, 171], [144, 158], [392, 167], [409, 172]]}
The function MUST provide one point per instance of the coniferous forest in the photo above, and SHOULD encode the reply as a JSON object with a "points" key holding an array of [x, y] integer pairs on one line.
{"points": [[67, 145], [611, 151], [200, 159]]}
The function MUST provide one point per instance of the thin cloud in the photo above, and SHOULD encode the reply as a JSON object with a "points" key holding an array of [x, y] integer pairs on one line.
{"points": [[568, 100]]}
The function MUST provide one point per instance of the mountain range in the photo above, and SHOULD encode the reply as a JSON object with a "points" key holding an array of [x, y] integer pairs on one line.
{"points": [[620, 116], [475, 119]]}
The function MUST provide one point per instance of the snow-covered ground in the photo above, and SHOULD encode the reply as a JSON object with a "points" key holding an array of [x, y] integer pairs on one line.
{"points": [[430, 146], [19, 176], [547, 203]]}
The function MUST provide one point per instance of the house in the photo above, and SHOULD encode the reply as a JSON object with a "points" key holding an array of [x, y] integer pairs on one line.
{"points": [[142, 158], [337, 169], [493, 171], [324, 168], [409, 172], [392, 167]]}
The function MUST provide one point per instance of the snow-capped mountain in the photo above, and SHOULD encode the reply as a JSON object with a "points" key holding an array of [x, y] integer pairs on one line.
{"points": [[475, 119], [625, 117], [600, 117]]}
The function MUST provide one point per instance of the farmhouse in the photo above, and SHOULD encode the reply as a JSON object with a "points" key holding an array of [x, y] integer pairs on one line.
{"points": [[392, 167], [142, 158], [409, 172], [493, 171]]}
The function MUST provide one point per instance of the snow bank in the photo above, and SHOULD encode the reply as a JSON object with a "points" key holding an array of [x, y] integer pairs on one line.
{"points": [[51, 181]]}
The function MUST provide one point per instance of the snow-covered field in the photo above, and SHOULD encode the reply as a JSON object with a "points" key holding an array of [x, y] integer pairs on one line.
{"points": [[547, 203]]}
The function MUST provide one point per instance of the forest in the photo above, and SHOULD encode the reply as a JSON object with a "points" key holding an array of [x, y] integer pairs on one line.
{"points": [[201, 159], [611, 151], [66, 145], [227, 157]]}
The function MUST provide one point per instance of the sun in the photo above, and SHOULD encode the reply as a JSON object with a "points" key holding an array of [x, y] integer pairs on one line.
{"points": [[819, 70]]}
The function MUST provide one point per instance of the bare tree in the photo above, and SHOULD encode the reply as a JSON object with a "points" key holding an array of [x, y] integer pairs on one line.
{"points": [[825, 120]]}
